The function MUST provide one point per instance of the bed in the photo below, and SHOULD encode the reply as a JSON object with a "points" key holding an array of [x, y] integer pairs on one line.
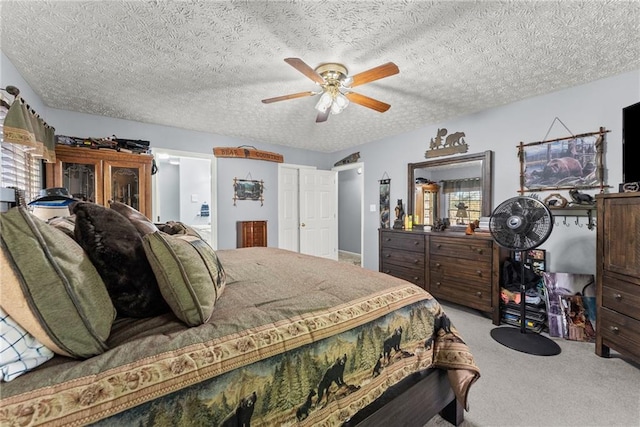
{"points": [[293, 339]]}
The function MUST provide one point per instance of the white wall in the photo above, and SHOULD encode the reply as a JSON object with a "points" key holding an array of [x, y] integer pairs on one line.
{"points": [[582, 109]]}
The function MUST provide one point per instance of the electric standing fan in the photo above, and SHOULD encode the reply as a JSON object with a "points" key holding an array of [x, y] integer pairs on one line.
{"points": [[520, 224]]}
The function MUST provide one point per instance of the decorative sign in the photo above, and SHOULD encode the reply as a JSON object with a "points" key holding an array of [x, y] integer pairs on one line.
{"points": [[351, 158], [248, 153], [385, 196], [452, 144]]}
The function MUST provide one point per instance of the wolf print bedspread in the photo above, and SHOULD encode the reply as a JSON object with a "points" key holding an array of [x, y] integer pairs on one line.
{"points": [[294, 340]]}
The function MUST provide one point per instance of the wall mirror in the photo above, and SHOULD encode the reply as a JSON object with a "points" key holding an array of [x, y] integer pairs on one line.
{"points": [[456, 189]]}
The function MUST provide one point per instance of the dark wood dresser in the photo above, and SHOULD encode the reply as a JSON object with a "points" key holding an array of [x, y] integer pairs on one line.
{"points": [[251, 233], [451, 266], [618, 275]]}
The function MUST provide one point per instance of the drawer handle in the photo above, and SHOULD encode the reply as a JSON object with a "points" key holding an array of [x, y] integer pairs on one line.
{"points": [[387, 271], [479, 294], [437, 265], [416, 242], [416, 261], [438, 245], [615, 329], [479, 272], [617, 297], [388, 239], [479, 250], [438, 284], [415, 279], [388, 255]]}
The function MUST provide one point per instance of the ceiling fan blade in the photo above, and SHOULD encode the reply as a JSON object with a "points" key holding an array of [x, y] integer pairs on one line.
{"points": [[291, 96], [365, 101], [301, 66], [322, 117], [379, 72]]}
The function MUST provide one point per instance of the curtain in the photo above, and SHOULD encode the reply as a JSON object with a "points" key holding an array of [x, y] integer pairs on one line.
{"points": [[23, 126], [461, 185]]}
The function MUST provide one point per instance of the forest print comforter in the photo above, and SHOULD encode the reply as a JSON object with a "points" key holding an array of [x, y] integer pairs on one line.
{"points": [[293, 340]]}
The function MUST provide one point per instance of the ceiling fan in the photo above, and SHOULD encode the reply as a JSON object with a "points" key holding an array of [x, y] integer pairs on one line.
{"points": [[336, 85]]}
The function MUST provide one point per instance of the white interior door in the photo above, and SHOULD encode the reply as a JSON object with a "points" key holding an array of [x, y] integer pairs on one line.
{"points": [[288, 209], [318, 213]]}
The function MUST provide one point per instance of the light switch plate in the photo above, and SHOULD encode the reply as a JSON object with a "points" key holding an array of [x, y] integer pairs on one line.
{"points": [[372, 208]]}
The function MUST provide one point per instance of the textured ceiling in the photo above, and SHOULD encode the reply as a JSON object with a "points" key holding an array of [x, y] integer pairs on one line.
{"points": [[205, 65]]}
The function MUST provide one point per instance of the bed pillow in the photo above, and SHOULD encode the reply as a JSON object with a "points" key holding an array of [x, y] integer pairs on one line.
{"points": [[50, 287], [139, 221], [19, 350], [115, 248], [177, 227], [189, 273], [66, 224]]}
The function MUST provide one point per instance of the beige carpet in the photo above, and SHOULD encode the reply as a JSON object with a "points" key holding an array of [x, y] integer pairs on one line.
{"points": [[349, 257], [574, 388]]}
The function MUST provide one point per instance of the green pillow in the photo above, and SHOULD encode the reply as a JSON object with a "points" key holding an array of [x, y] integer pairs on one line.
{"points": [[189, 273], [48, 275]]}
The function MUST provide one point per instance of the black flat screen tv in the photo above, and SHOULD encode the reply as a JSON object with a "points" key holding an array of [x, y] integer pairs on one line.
{"points": [[631, 143]]}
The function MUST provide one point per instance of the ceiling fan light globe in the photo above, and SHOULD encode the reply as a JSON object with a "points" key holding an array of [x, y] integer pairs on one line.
{"points": [[324, 102], [341, 100]]}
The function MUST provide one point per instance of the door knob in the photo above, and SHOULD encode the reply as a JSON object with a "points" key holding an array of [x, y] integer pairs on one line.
{"points": [[302, 225]]}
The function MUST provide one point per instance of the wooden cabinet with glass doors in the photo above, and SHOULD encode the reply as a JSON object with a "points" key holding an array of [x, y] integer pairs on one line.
{"points": [[426, 204], [102, 175]]}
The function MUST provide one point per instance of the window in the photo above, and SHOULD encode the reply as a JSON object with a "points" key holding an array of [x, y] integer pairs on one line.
{"points": [[20, 169], [462, 200]]}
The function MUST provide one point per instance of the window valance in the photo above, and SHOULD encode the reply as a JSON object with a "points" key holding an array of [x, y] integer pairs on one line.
{"points": [[22, 125]]}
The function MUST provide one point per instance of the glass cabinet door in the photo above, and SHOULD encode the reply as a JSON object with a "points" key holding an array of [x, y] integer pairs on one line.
{"points": [[426, 206], [80, 180], [125, 185]]}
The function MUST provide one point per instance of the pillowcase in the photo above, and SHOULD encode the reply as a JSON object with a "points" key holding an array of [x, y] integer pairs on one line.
{"points": [[66, 224], [177, 227], [115, 248], [19, 350], [139, 221], [50, 287], [189, 273]]}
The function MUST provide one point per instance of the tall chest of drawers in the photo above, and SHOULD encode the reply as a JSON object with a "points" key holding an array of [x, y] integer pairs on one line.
{"points": [[251, 233], [618, 275], [451, 266]]}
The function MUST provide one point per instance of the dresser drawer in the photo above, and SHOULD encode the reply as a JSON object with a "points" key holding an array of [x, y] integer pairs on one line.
{"points": [[404, 241], [471, 249], [460, 270], [621, 296], [404, 258], [475, 294], [620, 332], [410, 274]]}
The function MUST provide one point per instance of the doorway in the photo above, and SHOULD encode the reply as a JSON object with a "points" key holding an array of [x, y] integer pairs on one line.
{"points": [[183, 190], [350, 212]]}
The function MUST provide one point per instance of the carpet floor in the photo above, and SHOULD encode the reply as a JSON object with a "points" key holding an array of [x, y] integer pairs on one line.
{"points": [[574, 388]]}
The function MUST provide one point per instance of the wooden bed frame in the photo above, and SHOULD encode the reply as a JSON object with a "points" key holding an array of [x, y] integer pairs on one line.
{"points": [[413, 402]]}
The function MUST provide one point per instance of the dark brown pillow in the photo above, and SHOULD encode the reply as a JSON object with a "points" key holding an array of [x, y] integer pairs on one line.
{"points": [[115, 249], [139, 221]]}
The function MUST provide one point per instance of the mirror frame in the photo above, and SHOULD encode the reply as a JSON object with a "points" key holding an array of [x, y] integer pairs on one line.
{"points": [[486, 175]]}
